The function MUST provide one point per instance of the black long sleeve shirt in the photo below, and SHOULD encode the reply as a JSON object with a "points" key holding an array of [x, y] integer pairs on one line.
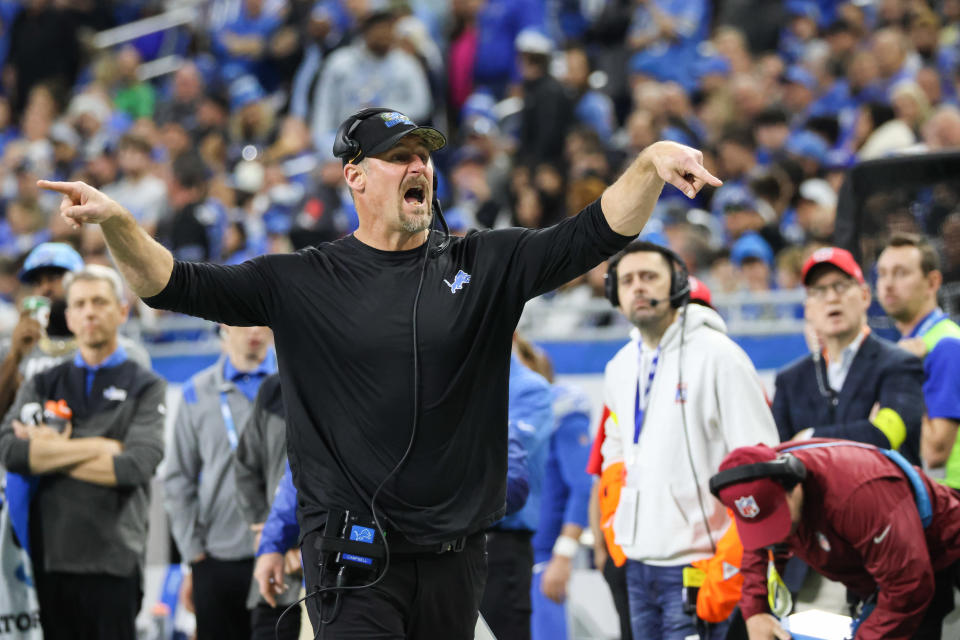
{"points": [[342, 318]]}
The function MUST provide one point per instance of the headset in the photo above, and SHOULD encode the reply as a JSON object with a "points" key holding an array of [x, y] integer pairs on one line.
{"points": [[347, 148], [679, 275], [786, 469]]}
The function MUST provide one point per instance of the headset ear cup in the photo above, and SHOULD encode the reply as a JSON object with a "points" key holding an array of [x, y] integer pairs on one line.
{"points": [[610, 286], [343, 145]]}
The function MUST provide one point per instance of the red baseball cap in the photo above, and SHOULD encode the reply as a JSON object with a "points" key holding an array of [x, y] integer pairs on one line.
{"points": [[699, 291], [839, 258], [759, 506]]}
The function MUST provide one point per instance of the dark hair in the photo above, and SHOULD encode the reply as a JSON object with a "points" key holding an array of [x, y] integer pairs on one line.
{"points": [[375, 18], [135, 141], [738, 135], [640, 246], [827, 126], [766, 186], [929, 259], [190, 171], [771, 116], [880, 113]]}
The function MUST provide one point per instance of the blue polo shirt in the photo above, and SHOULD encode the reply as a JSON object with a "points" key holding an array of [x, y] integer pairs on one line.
{"points": [[119, 356], [248, 382]]}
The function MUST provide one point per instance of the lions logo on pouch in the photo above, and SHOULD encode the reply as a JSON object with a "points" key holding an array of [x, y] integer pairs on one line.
{"points": [[747, 507]]}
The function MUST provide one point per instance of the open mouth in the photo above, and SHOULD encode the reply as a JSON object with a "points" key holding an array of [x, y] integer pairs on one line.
{"points": [[836, 313], [415, 195]]}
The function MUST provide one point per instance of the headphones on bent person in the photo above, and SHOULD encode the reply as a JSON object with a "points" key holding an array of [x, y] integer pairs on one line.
{"points": [[346, 147], [786, 469], [679, 275]]}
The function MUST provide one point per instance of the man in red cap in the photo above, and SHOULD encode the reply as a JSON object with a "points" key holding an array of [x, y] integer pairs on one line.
{"points": [[856, 514], [856, 386]]}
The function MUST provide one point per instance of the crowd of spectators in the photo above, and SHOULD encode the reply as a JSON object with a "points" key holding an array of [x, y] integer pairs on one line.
{"points": [[229, 156]]}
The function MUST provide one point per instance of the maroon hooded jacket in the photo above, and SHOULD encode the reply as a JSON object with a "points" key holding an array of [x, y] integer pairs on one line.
{"points": [[861, 527]]}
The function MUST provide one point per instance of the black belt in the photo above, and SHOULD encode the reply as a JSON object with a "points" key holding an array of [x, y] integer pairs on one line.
{"points": [[398, 546], [401, 546]]}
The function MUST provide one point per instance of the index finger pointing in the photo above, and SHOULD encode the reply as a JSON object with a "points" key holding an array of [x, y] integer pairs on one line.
{"points": [[70, 189], [698, 171]]}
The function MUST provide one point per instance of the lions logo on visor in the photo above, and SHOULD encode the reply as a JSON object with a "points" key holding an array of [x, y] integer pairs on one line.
{"points": [[394, 118], [747, 507]]}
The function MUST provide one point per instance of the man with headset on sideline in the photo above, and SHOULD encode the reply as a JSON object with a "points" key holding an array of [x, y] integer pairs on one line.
{"points": [[681, 395], [857, 514], [861, 387], [394, 351], [908, 279], [200, 485], [607, 555]]}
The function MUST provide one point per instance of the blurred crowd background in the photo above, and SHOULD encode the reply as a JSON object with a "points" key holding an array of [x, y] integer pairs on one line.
{"points": [[213, 121]]}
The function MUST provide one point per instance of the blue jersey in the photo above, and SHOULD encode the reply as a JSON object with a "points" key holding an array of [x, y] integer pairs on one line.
{"points": [[531, 410], [280, 531], [565, 494], [941, 378]]}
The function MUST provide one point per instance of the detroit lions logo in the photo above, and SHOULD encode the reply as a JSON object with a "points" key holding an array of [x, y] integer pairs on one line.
{"points": [[459, 280], [394, 118], [361, 534], [747, 507]]}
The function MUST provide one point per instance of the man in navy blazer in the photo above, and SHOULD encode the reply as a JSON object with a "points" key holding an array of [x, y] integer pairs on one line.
{"points": [[860, 386]]}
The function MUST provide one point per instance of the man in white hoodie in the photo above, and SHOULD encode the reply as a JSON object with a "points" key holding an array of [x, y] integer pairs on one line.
{"points": [[681, 396]]}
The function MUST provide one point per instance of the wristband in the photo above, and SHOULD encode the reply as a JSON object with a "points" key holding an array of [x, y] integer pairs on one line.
{"points": [[566, 547]]}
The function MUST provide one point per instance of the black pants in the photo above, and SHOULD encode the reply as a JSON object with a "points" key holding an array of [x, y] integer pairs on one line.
{"points": [[931, 627], [263, 623], [422, 596], [942, 604], [616, 578], [220, 589], [77, 606], [506, 602]]}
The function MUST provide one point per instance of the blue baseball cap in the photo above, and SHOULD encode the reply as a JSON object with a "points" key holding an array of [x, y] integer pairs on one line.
{"points": [[804, 8], [839, 159], [660, 68], [245, 90], [751, 245], [50, 255], [807, 144], [711, 65], [798, 75], [479, 103], [733, 197]]}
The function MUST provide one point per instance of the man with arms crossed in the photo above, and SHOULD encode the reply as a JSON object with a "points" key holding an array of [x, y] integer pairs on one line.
{"points": [[88, 517]]}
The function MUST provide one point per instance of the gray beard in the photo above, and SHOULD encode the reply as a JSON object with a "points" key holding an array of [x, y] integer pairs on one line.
{"points": [[415, 224]]}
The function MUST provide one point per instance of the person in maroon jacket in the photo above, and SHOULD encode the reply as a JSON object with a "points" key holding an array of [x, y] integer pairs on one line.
{"points": [[856, 514]]}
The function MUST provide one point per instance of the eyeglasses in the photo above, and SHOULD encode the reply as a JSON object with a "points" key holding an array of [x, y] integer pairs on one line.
{"points": [[839, 287]]}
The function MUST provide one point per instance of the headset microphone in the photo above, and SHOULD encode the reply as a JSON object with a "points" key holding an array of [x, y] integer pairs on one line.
{"points": [[653, 302], [438, 250]]}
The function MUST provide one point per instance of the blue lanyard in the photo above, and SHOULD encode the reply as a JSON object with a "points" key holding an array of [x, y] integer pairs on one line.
{"points": [[920, 493], [640, 410], [927, 323], [228, 421]]}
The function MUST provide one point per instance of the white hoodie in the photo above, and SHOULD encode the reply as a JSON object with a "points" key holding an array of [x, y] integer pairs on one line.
{"points": [[659, 519]]}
